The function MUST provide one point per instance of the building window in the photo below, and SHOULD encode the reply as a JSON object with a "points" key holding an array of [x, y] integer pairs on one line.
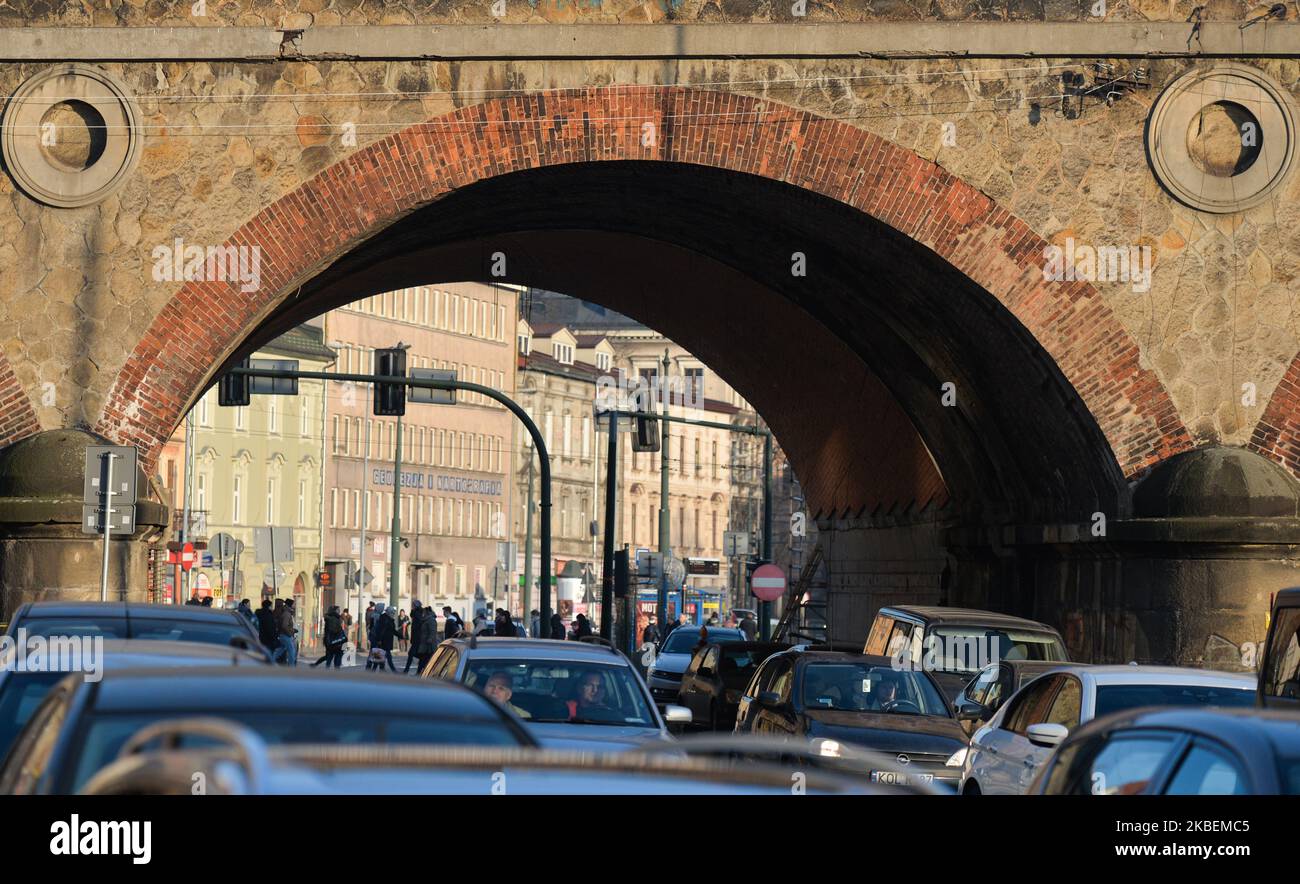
{"points": [[304, 417], [694, 387], [205, 410], [563, 353], [568, 433], [237, 500], [201, 492], [302, 503], [713, 459], [240, 417], [270, 501], [334, 507]]}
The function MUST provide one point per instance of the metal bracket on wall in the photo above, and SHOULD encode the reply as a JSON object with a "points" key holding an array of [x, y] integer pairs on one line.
{"points": [[1107, 86]]}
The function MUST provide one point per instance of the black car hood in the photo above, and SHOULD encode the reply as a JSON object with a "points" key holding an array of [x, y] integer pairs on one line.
{"points": [[889, 731]]}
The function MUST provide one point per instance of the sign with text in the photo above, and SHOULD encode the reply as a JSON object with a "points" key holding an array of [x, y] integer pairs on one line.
{"points": [[428, 395]]}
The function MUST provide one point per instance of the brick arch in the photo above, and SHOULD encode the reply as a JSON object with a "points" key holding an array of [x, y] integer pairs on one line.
{"points": [[1277, 435], [17, 417], [361, 194]]}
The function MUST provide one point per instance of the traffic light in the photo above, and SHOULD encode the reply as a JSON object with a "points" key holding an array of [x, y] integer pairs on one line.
{"points": [[390, 398], [233, 389], [622, 578]]}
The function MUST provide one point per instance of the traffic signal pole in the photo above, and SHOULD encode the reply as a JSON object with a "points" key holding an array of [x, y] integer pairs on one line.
{"points": [[611, 505], [665, 548], [514, 407]]}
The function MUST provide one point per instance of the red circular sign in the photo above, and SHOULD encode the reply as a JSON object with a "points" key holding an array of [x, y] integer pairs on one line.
{"points": [[768, 583]]}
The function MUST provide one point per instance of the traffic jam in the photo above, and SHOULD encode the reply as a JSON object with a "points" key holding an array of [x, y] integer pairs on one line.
{"points": [[123, 698]]}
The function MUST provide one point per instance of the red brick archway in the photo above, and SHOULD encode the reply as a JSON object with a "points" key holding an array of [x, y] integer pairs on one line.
{"points": [[1277, 435], [17, 417], [357, 197]]}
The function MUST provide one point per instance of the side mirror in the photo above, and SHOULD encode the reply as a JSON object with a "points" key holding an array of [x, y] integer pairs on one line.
{"points": [[769, 698], [677, 714], [1046, 735], [968, 710]]}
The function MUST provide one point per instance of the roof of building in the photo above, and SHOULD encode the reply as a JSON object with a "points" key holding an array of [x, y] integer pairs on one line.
{"points": [[537, 361], [304, 341]]}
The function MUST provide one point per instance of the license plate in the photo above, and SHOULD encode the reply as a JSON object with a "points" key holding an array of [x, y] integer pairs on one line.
{"points": [[891, 778]]}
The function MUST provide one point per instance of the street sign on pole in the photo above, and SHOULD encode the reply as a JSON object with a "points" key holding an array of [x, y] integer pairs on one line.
{"points": [[273, 575], [273, 386], [428, 395], [735, 543], [92, 518], [272, 545], [124, 470]]}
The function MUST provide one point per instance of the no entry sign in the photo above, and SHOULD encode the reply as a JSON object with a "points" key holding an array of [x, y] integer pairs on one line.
{"points": [[768, 583]]}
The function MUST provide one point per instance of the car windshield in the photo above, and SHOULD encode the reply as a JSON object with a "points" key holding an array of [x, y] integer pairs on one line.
{"points": [[1116, 697], [560, 690], [19, 697], [684, 639], [106, 733], [968, 649], [1281, 672], [860, 687]]}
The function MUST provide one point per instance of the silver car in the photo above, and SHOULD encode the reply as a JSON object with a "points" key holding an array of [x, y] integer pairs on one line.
{"points": [[1005, 755], [569, 695]]}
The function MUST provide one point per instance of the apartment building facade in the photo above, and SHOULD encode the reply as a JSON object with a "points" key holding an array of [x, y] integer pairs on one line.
{"points": [[456, 459]]}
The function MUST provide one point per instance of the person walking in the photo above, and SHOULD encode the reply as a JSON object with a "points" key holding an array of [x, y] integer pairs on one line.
{"points": [[582, 628], [246, 611], [557, 627], [403, 630], [749, 626], [335, 637], [370, 625], [385, 632], [505, 624], [424, 635], [267, 633], [284, 621], [535, 624], [650, 635], [452, 624]]}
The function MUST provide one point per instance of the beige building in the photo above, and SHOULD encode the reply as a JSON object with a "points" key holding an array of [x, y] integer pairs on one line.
{"points": [[260, 466], [558, 371], [456, 459]]}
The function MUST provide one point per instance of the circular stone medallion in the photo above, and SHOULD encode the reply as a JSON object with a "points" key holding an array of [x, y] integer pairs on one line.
{"points": [[70, 135], [1221, 139]]}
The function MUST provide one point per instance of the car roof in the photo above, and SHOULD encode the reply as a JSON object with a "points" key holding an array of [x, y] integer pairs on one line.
{"points": [[1233, 726], [106, 610], [143, 653], [1147, 675], [281, 689], [936, 614], [537, 648]]}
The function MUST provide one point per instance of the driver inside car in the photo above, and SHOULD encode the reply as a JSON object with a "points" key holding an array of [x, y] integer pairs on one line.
{"points": [[884, 690], [590, 701]]}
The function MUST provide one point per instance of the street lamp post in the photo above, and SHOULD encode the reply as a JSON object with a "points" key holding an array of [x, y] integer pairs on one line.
{"points": [[395, 557], [664, 546]]}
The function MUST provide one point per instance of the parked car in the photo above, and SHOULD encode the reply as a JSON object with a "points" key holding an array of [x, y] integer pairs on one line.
{"points": [[1178, 752], [960, 642], [238, 762], [835, 698], [22, 692], [81, 726], [671, 660], [1008, 752], [715, 679], [995, 684], [137, 620], [569, 695], [1279, 674]]}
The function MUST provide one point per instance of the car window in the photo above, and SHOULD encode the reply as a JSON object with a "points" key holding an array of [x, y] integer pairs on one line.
{"points": [[565, 690], [34, 754], [979, 686], [764, 676], [1067, 704], [1032, 704], [1125, 764], [106, 627], [20, 696], [1118, 697], [434, 663], [781, 684], [710, 660], [900, 638], [878, 638], [967, 649], [856, 686], [1281, 671], [449, 665], [1207, 770], [1001, 689], [205, 631]]}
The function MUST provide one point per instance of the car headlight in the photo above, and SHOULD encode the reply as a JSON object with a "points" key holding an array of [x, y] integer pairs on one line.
{"points": [[827, 748], [958, 758]]}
